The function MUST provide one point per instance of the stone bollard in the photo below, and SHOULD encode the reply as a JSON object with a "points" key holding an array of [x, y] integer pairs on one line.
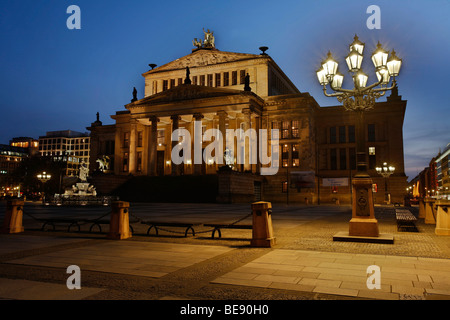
{"points": [[262, 225], [12, 222], [430, 212], [421, 209], [443, 218], [119, 226]]}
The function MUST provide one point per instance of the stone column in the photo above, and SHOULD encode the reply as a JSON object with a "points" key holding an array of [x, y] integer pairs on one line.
{"points": [[118, 153], [175, 124], [132, 156], [198, 142], [152, 145], [247, 125], [258, 121], [222, 128]]}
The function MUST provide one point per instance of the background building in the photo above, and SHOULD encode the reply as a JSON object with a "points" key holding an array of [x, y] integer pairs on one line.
{"points": [[31, 144], [69, 146], [443, 173], [10, 159]]}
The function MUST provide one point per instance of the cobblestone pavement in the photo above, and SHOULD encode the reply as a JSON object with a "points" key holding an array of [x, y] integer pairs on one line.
{"points": [[305, 263]]}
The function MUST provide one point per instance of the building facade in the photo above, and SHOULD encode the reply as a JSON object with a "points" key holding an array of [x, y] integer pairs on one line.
{"points": [[68, 146], [443, 174], [213, 89], [11, 158]]}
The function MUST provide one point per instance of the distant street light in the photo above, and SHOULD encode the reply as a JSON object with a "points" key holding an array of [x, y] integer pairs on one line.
{"points": [[43, 177], [386, 171]]}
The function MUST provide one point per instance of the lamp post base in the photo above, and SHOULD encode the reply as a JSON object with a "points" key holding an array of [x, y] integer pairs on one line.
{"points": [[363, 222]]}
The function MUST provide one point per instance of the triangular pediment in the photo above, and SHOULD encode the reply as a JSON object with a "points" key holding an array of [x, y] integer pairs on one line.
{"points": [[187, 92], [204, 57]]}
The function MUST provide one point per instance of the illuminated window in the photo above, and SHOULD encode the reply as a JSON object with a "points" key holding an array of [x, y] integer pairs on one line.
{"points": [[284, 186], [295, 155], [295, 132], [161, 137], [371, 151], [285, 155], [285, 129]]}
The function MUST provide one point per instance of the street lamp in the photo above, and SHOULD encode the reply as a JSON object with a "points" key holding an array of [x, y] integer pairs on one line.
{"points": [[43, 177], [360, 99], [386, 171]]}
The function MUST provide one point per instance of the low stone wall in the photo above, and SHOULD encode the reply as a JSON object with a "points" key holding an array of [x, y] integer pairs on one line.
{"points": [[105, 184], [237, 187]]}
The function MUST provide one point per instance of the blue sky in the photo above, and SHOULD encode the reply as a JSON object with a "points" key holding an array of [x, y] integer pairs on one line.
{"points": [[53, 78]]}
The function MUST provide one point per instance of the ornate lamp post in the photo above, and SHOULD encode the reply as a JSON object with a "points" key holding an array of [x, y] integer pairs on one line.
{"points": [[43, 177], [360, 99], [386, 171]]}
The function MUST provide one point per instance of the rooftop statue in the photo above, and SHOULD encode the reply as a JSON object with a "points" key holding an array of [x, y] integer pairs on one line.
{"points": [[208, 42], [209, 39]]}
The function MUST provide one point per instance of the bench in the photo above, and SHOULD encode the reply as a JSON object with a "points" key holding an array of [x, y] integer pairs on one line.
{"points": [[217, 227], [157, 224], [405, 219]]}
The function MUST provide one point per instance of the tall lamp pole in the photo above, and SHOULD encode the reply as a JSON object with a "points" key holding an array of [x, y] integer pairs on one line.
{"points": [[43, 177], [386, 171], [360, 99]]}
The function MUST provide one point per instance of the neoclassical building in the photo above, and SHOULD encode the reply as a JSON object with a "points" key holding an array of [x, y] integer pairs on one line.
{"points": [[228, 91]]}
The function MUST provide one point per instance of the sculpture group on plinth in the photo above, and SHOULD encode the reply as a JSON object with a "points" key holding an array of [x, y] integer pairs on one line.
{"points": [[82, 192]]}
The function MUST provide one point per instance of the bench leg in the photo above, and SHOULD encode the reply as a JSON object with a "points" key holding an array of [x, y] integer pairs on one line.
{"points": [[214, 232], [187, 230], [73, 224], [48, 223], [95, 224], [150, 228]]}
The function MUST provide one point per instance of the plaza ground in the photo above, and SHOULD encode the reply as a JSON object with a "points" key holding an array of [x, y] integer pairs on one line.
{"points": [[305, 263]]}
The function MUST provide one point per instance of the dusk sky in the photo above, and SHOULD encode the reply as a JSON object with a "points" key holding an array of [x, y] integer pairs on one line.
{"points": [[53, 78]]}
